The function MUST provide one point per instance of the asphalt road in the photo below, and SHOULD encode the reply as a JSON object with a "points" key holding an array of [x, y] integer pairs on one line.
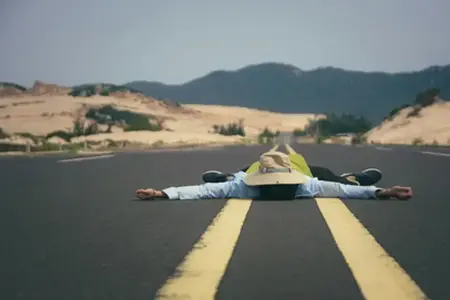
{"points": [[73, 230]]}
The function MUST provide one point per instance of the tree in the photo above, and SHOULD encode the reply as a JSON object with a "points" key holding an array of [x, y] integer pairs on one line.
{"points": [[334, 124], [427, 97], [91, 129], [78, 127]]}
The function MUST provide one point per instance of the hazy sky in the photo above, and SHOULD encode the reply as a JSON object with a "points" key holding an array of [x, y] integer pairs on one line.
{"points": [[174, 41]]}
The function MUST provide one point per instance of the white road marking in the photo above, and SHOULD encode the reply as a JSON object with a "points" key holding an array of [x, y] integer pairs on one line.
{"points": [[85, 158], [383, 148], [436, 153]]}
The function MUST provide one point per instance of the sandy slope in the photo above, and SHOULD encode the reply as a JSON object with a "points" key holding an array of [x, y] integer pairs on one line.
{"points": [[44, 113], [433, 124]]}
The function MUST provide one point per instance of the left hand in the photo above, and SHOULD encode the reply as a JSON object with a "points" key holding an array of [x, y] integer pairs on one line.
{"points": [[145, 194]]}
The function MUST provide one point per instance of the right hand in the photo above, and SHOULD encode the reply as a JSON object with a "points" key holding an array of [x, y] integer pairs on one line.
{"points": [[398, 192]]}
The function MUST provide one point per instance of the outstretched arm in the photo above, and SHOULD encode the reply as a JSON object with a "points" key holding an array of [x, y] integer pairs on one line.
{"points": [[221, 190], [203, 191], [345, 191]]}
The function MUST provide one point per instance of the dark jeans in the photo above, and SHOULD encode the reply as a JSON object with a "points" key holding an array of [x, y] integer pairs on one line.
{"points": [[322, 174]]}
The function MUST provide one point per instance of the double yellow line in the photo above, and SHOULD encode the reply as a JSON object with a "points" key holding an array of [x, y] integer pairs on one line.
{"points": [[377, 274]]}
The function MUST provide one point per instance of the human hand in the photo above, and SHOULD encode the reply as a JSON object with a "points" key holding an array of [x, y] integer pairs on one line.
{"points": [[399, 192], [147, 194]]}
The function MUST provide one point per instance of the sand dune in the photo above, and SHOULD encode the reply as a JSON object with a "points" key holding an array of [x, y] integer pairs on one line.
{"points": [[43, 113], [47, 107], [432, 125]]}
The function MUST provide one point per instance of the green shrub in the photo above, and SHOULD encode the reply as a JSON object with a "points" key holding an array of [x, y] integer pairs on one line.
{"points": [[87, 90], [334, 124], [134, 122], [229, 130], [267, 136]]}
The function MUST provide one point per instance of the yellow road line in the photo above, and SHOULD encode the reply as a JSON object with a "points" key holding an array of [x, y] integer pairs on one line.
{"points": [[199, 275], [377, 274], [274, 148], [289, 149]]}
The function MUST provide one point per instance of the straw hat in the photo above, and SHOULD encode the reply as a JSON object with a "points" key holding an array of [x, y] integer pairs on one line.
{"points": [[275, 168]]}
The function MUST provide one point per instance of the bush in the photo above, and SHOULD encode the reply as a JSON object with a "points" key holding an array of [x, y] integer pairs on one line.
{"points": [[395, 111], [299, 132], [134, 122], [359, 139], [67, 136], [334, 124], [88, 90], [48, 147], [3, 134], [415, 112], [319, 139], [229, 130], [417, 141], [267, 136]]}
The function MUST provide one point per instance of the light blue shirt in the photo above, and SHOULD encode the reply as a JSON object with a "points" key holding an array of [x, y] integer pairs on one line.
{"points": [[236, 188]]}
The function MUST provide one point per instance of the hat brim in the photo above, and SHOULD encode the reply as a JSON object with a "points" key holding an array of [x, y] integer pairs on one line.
{"points": [[258, 178]]}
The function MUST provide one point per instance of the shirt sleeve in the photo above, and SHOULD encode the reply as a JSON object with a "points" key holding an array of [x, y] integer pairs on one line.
{"points": [[219, 190], [335, 189], [235, 188]]}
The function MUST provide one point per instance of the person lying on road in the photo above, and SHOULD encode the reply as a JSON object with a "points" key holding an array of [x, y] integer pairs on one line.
{"points": [[276, 176], [366, 177]]}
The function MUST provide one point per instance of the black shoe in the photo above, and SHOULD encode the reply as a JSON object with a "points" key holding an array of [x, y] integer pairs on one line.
{"points": [[365, 178], [215, 176]]}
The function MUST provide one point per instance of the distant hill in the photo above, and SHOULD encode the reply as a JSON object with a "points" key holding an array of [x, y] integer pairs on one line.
{"points": [[288, 89]]}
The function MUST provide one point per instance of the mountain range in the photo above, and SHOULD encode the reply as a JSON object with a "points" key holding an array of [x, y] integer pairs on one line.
{"points": [[285, 88]]}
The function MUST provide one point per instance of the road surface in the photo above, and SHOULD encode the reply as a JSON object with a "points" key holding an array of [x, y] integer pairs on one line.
{"points": [[71, 229]]}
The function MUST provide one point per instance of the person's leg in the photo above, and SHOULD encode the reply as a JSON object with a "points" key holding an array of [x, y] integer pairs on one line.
{"points": [[365, 178], [327, 175], [217, 176]]}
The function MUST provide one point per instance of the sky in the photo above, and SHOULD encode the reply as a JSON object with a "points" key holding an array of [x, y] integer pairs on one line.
{"points": [[71, 42]]}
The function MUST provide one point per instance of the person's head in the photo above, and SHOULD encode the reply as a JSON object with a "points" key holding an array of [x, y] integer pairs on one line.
{"points": [[275, 177]]}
